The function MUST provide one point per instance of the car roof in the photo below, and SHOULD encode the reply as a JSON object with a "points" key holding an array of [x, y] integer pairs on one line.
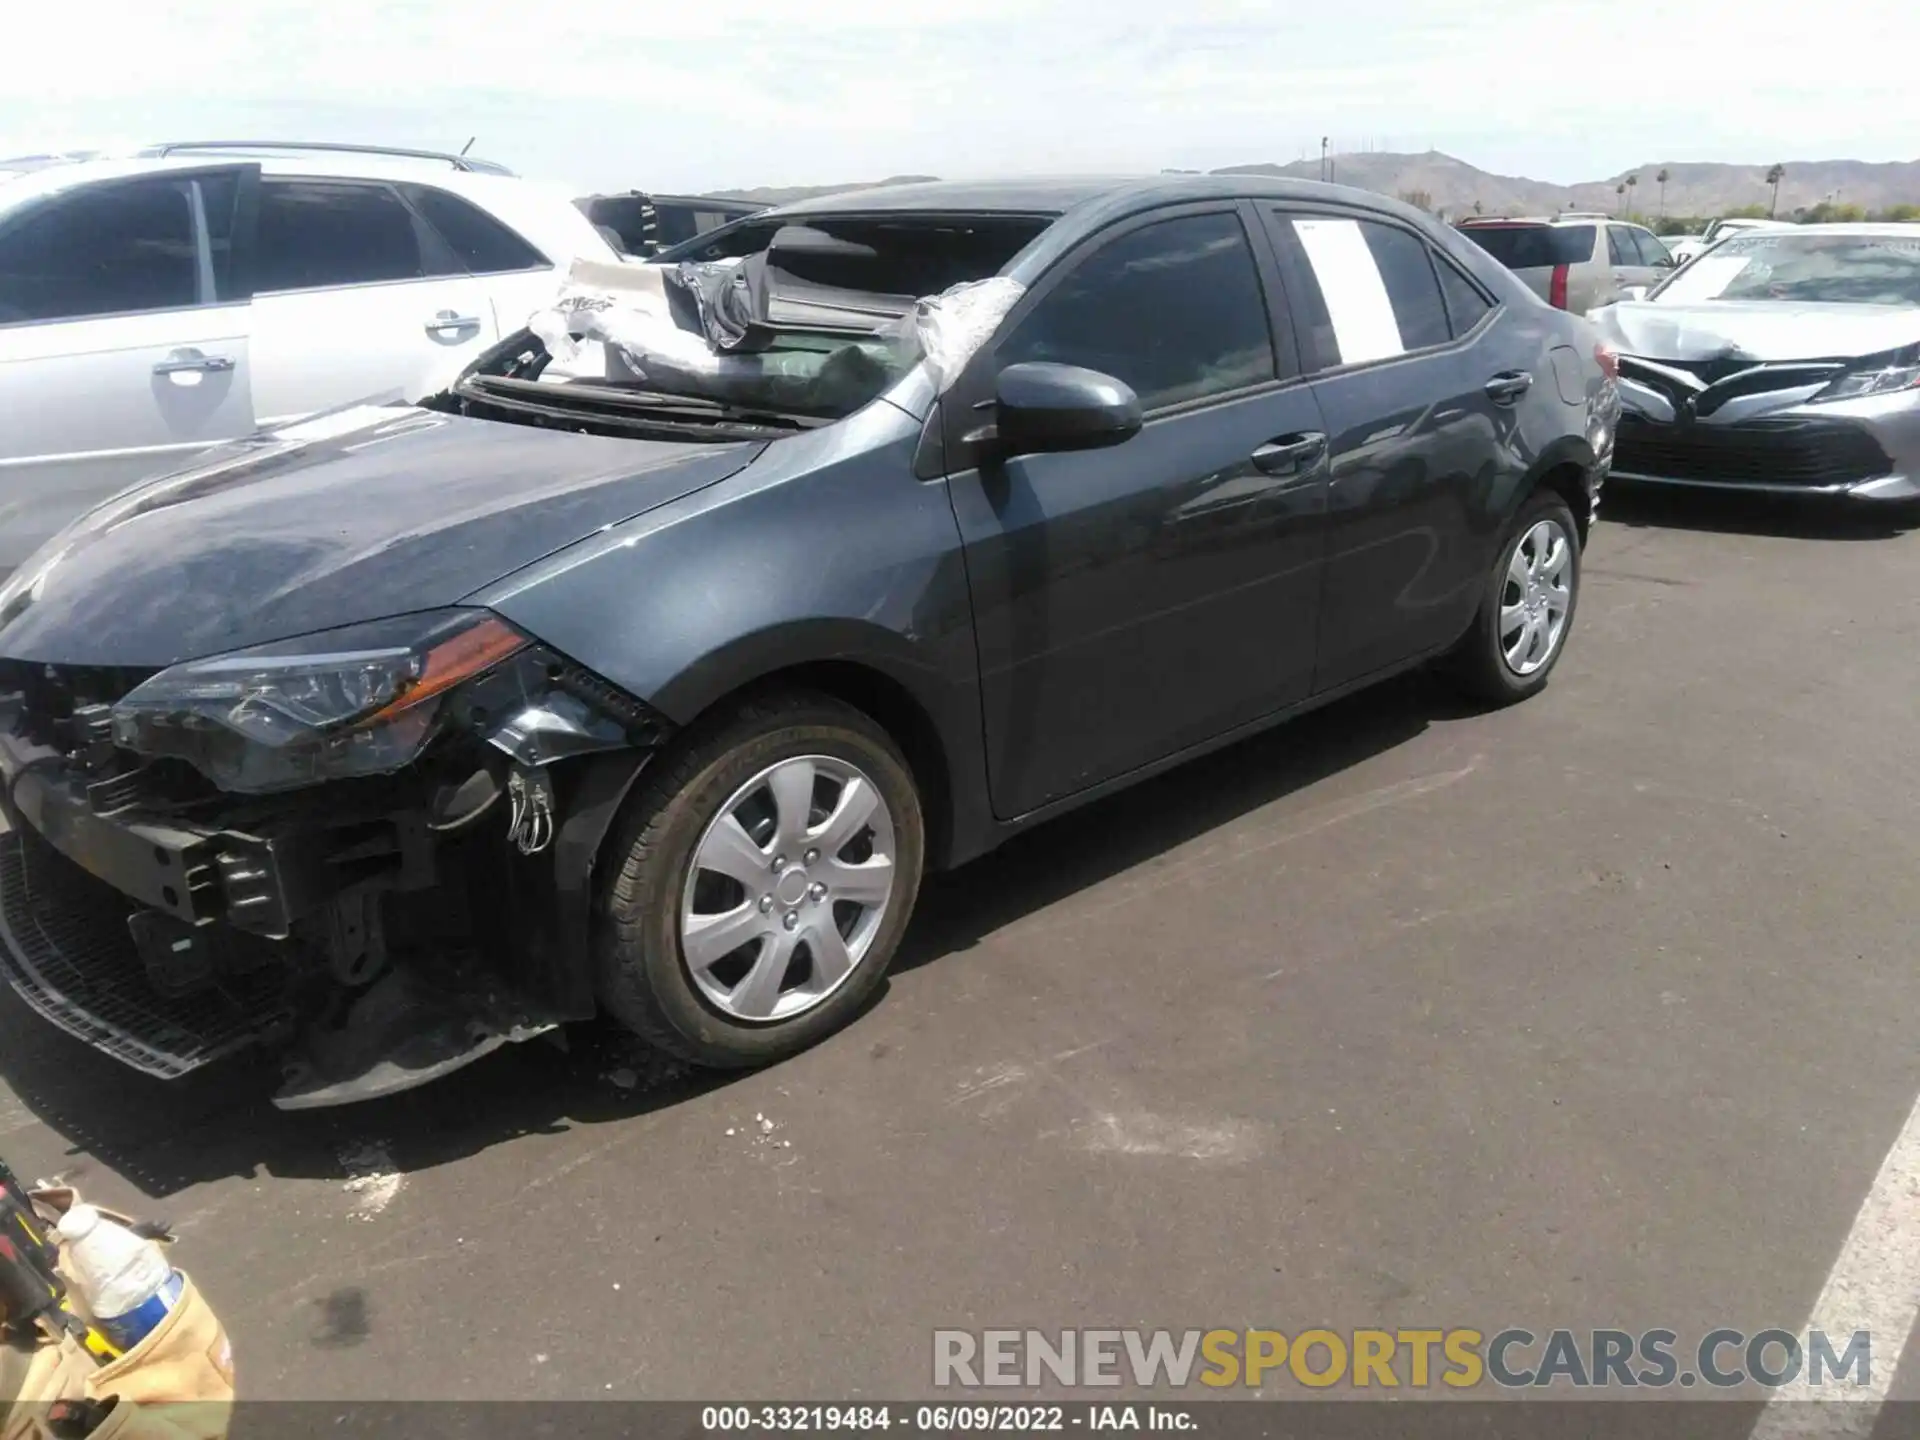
{"points": [[1573, 217], [1059, 195], [37, 176]]}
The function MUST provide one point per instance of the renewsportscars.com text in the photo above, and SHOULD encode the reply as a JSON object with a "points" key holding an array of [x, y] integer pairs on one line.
{"points": [[1459, 1359]]}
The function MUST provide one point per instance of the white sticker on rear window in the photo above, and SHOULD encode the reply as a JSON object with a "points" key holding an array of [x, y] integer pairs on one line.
{"points": [[1357, 303]]}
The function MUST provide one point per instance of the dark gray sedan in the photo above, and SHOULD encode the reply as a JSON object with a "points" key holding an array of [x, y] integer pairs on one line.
{"points": [[867, 535]]}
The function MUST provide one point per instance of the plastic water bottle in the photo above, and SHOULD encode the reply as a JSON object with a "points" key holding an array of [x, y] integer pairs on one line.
{"points": [[126, 1282]]}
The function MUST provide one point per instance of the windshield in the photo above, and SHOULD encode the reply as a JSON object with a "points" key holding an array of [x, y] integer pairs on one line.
{"points": [[1530, 247], [804, 323], [1814, 269]]}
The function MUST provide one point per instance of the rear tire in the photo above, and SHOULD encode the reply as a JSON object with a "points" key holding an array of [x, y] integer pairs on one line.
{"points": [[694, 868], [1527, 607]]}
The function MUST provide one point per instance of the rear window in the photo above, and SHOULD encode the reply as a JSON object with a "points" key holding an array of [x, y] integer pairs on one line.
{"points": [[1530, 247]]}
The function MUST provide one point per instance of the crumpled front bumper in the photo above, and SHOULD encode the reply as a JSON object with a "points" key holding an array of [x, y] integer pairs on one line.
{"points": [[1773, 443], [72, 880], [171, 944]]}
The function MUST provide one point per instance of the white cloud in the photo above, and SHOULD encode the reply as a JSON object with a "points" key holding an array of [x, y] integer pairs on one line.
{"points": [[618, 93]]}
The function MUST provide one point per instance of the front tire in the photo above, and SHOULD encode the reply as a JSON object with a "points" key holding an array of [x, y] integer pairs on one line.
{"points": [[765, 874], [1526, 610]]}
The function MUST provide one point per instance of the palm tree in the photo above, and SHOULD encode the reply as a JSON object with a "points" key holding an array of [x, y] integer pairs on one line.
{"points": [[1621, 191], [1661, 180], [1775, 174], [1632, 180]]}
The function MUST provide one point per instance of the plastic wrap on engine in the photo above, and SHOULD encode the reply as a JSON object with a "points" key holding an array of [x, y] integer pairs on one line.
{"points": [[954, 324]]}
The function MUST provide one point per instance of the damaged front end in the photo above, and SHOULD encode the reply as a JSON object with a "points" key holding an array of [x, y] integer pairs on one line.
{"points": [[369, 849]]}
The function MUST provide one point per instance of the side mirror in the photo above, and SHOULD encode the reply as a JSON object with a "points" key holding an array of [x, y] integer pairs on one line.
{"points": [[1041, 407]]}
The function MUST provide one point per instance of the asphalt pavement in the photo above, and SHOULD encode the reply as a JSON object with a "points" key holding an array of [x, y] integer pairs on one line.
{"points": [[1594, 1011]]}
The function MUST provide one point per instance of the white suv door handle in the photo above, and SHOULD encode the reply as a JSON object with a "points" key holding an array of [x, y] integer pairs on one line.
{"points": [[189, 361], [450, 320]]}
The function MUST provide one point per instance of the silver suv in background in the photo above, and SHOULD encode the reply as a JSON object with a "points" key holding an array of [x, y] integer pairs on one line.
{"points": [[1575, 261], [158, 303]]}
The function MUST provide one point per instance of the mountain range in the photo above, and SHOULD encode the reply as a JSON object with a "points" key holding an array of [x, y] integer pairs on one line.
{"points": [[1452, 187]]}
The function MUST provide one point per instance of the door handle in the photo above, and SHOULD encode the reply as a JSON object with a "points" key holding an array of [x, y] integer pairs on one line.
{"points": [[188, 361], [1288, 453], [450, 320], [1507, 387]]}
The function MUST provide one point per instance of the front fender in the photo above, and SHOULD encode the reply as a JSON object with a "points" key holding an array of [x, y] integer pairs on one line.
{"points": [[824, 550]]}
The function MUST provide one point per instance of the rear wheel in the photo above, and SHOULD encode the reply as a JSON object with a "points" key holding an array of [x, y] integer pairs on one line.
{"points": [[1526, 609], [764, 878]]}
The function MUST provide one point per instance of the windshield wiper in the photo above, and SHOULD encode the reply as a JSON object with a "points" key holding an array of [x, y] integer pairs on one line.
{"points": [[646, 410]]}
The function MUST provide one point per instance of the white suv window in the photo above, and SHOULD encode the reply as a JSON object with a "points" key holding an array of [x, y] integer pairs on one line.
{"points": [[319, 233], [482, 244], [106, 250]]}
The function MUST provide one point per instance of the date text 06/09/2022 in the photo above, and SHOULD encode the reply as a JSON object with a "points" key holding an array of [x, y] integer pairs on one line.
{"points": [[945, 1419]]}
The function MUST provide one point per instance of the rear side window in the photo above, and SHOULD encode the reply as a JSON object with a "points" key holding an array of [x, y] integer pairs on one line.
{"points": [[319, 233], [1174, 308], [1411, 286], [1530, 247], [480, 242], [107, 250], [1465, 304], [1368, 291]]}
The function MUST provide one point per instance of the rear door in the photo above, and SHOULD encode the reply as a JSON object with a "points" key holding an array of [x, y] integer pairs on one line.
{"points": [[1135, 601], [355, 296], [517, 278], [123, 342], [1418, 374]]}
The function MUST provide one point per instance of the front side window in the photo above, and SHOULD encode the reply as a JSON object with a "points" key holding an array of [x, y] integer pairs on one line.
{"points": [[107, 250], [314, 233], [1174, 309], [1652, 252]]}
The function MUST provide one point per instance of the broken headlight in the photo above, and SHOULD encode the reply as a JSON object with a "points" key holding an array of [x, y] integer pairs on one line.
{"points": [[1876, 375], [364, 700]]}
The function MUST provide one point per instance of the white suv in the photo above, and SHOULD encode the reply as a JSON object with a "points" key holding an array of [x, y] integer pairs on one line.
{"points": [[153, 305]]}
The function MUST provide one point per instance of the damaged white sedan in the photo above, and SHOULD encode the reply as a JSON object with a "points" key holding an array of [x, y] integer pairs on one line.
{"points": [[1785, 361]]}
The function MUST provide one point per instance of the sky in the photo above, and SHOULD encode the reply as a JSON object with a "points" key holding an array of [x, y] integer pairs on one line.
{"points": [[641, 94]]}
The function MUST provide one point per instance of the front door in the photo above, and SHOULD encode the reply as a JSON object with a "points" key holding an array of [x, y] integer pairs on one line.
{"points": [[123, 346], [355, 297], [1135, 601]]}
